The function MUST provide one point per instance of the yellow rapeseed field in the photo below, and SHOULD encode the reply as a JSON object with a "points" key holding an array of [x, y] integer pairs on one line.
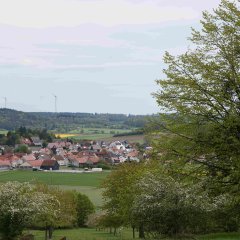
{"points": [[65, 135]]}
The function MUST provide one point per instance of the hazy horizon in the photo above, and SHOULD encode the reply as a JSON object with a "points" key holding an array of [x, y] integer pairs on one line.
{"points": [[1, 108]]}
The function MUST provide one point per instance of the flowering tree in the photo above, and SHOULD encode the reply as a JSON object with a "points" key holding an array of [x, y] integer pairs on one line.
{"points": [[20, 204], [167, 207], [65, 216]]}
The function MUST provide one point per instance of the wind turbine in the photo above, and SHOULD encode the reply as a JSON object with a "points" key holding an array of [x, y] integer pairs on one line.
{"points": [[55, 101], [5, 102]]}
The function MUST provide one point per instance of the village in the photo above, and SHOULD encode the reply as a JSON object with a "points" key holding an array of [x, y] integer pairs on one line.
{"points": [[64, 155]]}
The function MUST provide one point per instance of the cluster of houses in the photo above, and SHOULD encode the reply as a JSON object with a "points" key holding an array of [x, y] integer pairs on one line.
{"points": [[87, 154]]}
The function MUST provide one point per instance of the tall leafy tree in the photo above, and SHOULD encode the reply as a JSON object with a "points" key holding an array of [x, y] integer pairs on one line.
{"points": [[201, 93], [119, 193], [84, 207]]}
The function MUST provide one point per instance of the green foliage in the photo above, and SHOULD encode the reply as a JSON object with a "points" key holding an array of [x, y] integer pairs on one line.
{"points": [[119, 193], [143, 197], [201, 89], [66, 214], [132, 133], [227, 217], [22, 148], [84, 207], [220, 236], [167, 207], [13, 137], [65, 122], [104, 165], [94, 193], [73, 211], [111, 221], [198, 140]]}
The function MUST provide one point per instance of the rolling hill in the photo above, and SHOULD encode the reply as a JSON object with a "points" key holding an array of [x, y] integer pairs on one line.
{"points": [[12, 119]]}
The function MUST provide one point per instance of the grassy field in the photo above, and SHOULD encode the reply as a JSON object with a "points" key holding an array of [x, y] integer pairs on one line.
{"points": [[93, 133], [111, 138], [86, 183], [53, 178], [83, 234], [92, 136], [101, 134], [220, 236], [123, 234], [2, 131], [94, 193], [110, 131]]}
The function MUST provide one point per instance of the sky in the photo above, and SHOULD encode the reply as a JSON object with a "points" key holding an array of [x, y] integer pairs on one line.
{"points": [[96, 56]]}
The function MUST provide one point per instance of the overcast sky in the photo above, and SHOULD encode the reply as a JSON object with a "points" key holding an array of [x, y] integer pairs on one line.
{"points": [[95, 55]]}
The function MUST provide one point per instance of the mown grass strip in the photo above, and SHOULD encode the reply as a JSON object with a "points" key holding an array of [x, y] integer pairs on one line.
{"points": [[53, 178]]}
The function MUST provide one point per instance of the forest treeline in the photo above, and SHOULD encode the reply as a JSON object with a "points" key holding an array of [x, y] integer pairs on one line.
{"points": [[66, 121]]}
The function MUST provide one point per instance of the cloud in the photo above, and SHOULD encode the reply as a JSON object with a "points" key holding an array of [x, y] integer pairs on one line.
{"points": [[101, 66], [70, 13]]}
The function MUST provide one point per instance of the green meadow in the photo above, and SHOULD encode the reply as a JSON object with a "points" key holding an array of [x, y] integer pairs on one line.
{"points": [[84, 234], [2, 131], [94, 133], [110, 131], [94, 193], [86, 183], [53, 178], [123, 234], [100, 134]]}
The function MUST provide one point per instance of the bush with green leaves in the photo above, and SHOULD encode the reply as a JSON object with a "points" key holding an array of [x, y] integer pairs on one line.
{"points": [[167, 207], [23, 149]]}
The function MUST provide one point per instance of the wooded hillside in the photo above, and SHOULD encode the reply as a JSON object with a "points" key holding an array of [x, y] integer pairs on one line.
{"points": [[12, 119]]}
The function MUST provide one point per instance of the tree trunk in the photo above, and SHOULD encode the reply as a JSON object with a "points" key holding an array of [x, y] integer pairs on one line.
{"points": [[133, 231], [50, 232], [46, 233], [141, 231]]}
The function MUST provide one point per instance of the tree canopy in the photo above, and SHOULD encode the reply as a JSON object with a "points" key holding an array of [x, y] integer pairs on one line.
{"points": [[201, 94], [165, 206], [84, 207], [120, 190]]}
